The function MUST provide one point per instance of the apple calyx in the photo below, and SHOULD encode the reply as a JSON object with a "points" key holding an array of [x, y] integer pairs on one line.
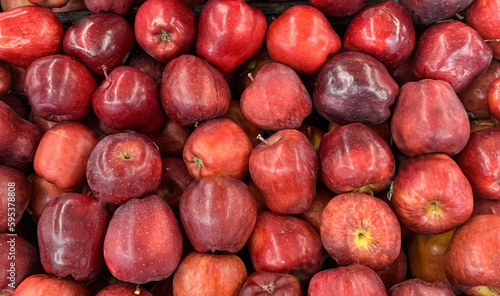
{"points": [[364, 240], [166, 36], [269, 288], [198, 161]]}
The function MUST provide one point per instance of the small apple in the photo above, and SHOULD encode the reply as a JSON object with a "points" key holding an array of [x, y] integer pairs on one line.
{"points": [[483, 206], [427, 12]]}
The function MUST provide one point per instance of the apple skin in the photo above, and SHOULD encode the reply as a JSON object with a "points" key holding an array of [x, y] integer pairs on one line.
{"points": [[202, 274], [193, 91], [373, 90], [483, 206], [494, 98], [285, 244], [170, 138], [277, 99], [385, 31], [50, 3], [229, 33], [43, 191], [429, 117], [47, 285], [431, 194], [396, 271], [338, 8], [175, 178], [453, 52], [302, 38], [11, 4], [73, 5], [285, 169], [120, 7], [427, 12], [360, 228], [471, 260], [163, 288], [313, 213], [18, 103], [165, 29], [355, 158], [123, 289], [5, 78], [349, 280], [16, 194], [235, 114], [218, 213], [51, 80], [41, 123], [480, 163], [124, 166], [217, 147], [20, 139], [481, 16], [263, 283], [100, 48], [62, 155], [29, 33], [144, 241], [25, 258], [418, 287], [147, 64], [128, 99]]}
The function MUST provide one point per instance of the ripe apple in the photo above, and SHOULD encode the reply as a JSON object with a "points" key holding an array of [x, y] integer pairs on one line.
{"points": [[235, 114], [120, 7], [262, 283], [418, 287], [302, 38], [313, 213], [50, 3], [170, 138], [431, 194], [368, 99], [46, 285], [15, 195], [202, 274], [218, 213], [427, 12], [193, 91], [147, 64], [143, 242], [217, 147], [5, 78], [359, 228], [338, 8], [481, 15], [42, 192], [396, 271], [29, 33], [175, 178], [19, 259], [429, 117], [453, 52], [124, 166], [123, 289], [494, 98]]}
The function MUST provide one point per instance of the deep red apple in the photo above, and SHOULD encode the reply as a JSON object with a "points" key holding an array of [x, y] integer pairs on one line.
{"points": [[101, 41], [217, 147], [349, 280], [385, 31], [29, 33], [482, 17], [144, 241], [147, 64], [124, 166], [471, 261], [285, 169], [206, 274], [235, 114], [355, 158], [302, 38], [193, 91], [5, 78], [277, 99], [45, 285], [50, 3], [170, 138], [453, 52], [395, 272], [128, 99], [51, 80], [429, 117], [338, 8], [480, 163], [368, 99], [19, 104], [16, 194], [19, 259], [42, 192], [263, 283], [285, 244], [41, 123], [175, 177], [229, 33], [427, 12], [123, 289], [120, 7], [360, 228], [494, 98], [483, 206], [431, 194], [418, 287], [62, 155], [165, 29]]}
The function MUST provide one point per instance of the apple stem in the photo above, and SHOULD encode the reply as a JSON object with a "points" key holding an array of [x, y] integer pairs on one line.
{"points": [[260, 138], [269, 288], [373, 243], [105, 72], [250, 76], [459, 17], [137, 290], [492, 40], [433, 206]]}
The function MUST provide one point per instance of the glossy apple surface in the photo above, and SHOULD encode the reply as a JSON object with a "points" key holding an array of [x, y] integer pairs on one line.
{"points": [[427, 12], [482, 17], [43, 191], [123, 289], [20, 260], [120, 7], [263, 283], [418, 287], [494, 98], [46, 285], [16, 194], [302, 38]]}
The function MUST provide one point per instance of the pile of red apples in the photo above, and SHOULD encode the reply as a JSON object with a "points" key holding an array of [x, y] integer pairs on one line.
{"points": [[330, 147]]}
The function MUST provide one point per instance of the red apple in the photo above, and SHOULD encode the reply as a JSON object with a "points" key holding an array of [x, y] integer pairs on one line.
{"points": [[41, 123], [29, 33], [338, 8], [229, 33], [50, 3], [483, 206], [427, 12], [432, 195], [175, 178], [277, 99], [368, 99], [62, 155], [101, 41], [144, 241], [248, 70], [313, 213], [128, 99], [350, 280], [235, 114], [51, 80], [170, 138], [42, 192], [429, 117], [120, 7], [217, 147], [453, 52], [123, 289], [73, 5], [355, 158], [418, 287], [147, 64], [302, 38], [19, 104], [5, 78], [18, 75], [11, 4], [359, 228], [471, 261], [19, 259], [404, 73], [396, 271], [206, 274], [494, 98], [481, 15], [165, 29], [16, 194], [124, 166], [263, 283], [45, 285], [193, 91]]}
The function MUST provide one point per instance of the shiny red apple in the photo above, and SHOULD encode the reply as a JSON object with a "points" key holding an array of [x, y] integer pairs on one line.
{"points": [[46, 285], [16, 194]]}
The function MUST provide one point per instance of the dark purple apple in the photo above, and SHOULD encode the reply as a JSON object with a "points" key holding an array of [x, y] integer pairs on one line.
{"points": [[418, 287], [19, 259], [427, 12], [263, 283], [15, 196], [120, 7]]}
